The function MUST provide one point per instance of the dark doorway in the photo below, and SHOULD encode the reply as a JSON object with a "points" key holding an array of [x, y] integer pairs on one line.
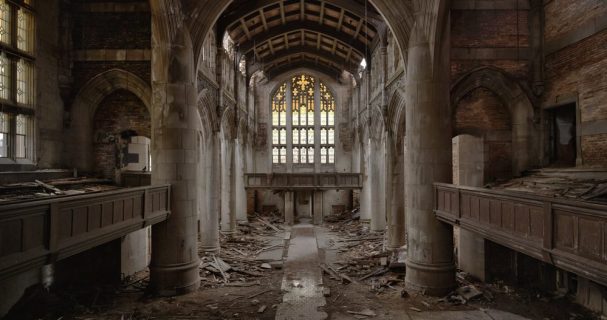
{"points": [[563, 133]]}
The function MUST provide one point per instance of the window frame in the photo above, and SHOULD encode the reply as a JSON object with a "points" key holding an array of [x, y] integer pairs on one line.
{"points": [[318, 151], [20, 101]]}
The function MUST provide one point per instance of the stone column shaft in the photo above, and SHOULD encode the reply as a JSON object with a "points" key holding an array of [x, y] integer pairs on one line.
{"points": [[176, 127], [396, 221], [209, 221], [289, 207], [240, 193], [318, 207], [228, 215], [430, 266]]}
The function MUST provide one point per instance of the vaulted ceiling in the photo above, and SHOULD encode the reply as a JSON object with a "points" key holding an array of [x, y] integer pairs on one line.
{"points": [[327, 35]]}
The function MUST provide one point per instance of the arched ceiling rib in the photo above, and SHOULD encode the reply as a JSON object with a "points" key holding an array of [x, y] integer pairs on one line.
{"points": [[341, 32]]}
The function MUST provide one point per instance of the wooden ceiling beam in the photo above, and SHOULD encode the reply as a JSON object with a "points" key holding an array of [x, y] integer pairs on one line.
{"points": [[231, 17], [321, 17], [349, 65], [245, 28], [344, 38], [263, 19], [341, 19]]}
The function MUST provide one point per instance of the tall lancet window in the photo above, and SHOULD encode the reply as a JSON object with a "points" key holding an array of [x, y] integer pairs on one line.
{"points": [[279, 125], [310, 113]]}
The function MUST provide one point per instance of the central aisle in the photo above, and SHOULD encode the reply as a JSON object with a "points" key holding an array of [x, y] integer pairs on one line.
{"points": [[302, 281]]}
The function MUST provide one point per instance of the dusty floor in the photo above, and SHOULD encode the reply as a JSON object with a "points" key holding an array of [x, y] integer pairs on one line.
{"points": [[297, 288]]}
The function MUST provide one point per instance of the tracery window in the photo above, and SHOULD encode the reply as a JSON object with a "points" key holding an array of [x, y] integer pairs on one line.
{"points": [[17, 88], [279, 126], [310, 111]]}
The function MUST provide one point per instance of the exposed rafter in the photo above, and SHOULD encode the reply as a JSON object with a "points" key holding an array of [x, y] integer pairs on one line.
{"points": [[275, 32], [318, 55]]}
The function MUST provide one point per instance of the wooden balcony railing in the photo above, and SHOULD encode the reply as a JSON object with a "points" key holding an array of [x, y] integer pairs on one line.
{"points": [[570, 234], [36, 233], [303, 181]]}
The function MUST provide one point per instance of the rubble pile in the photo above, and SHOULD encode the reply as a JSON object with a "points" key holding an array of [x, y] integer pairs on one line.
{"points": [[238, 263], [36, 189]]}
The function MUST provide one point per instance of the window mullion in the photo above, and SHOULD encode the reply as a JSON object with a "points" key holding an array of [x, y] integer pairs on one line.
{"points": [[289, 126], [317, 160]]}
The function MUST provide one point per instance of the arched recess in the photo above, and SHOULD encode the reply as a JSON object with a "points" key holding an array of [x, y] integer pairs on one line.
{"points": [[208, 116], [80, 150], [519, 108]]}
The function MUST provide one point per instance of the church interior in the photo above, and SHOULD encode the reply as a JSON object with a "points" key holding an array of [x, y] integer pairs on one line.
{"points": [[303, 159]]}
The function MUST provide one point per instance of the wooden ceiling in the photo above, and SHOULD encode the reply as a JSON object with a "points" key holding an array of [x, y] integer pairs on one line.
{"points": [[327, 35]]}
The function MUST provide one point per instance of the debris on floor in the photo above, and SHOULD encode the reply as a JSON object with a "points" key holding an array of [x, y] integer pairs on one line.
{"points": [[240, 261], [36, 189]]}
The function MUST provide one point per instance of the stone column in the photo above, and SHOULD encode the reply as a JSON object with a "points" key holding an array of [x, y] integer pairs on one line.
{"points": [[377, 180], [318, 205], [396, 217], [228, 215], [365, 194], [209, 220], [430, 266], [470, 167], [240, 194], [289, 207], [175, 152]]}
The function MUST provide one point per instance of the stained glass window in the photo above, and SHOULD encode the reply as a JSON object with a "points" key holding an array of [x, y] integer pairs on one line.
{"points": [[5, 77], [305, 92], [327, 125], [25, 34], [20, 138], [5, 22], [24, 82], [4, 134], [279, 125]]}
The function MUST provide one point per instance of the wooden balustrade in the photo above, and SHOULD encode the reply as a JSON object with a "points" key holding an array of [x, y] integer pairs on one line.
{"points": [[570, 234], [36, 233], [303, 181]]}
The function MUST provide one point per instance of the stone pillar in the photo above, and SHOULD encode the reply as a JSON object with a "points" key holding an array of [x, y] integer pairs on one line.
{"points": [[209, 219], [228, 215], [365, 194], [430, 266], [396, 216], [240, 193], [289, 207], [377, 182], [470, 169], [318, 206], [176, 125]]}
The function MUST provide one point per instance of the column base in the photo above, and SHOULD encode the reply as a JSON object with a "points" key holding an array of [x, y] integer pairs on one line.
{"points": [[210, 249], [430, 279], [175, 280], [366, 224]]}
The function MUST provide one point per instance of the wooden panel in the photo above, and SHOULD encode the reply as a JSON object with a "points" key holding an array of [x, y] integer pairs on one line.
{"points": [[495, 213], [107, 212], [65, 224], [34, 232], [80, 223], [508, 216], [465, 204], [118, 214], [536, 222], [521, 219], [94, 217], [10, 237], [563, 231], [484, 210], [128, 209], [590, 235]]}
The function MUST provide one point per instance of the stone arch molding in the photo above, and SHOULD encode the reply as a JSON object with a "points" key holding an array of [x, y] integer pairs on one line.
{"points": [[521, 110], [80, 150], [208, 116]]}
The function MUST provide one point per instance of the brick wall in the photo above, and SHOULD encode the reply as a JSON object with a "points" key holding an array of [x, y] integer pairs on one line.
{"points": [[579, 69], [115, 30], [563, 16], [120, 111], [482, 114], [495, 38]]}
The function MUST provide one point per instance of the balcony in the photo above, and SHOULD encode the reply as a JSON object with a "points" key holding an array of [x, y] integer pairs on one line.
{"points": [[303, 181], [569, 234], [36, 233]]}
